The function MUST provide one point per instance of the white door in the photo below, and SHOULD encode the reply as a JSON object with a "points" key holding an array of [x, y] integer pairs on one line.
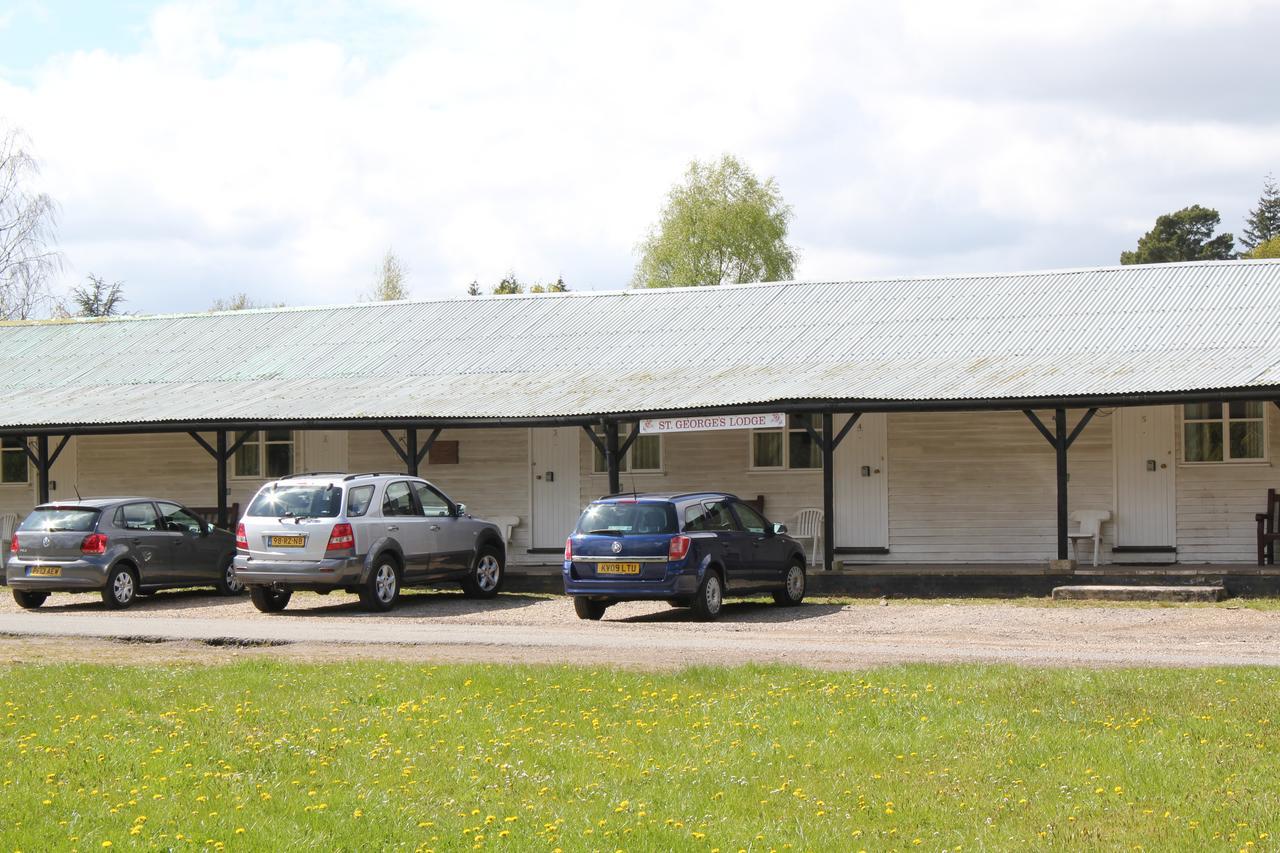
{"points": [[64, 473], [1146, 514], [556, 498], [324, 450], [862, 484]]}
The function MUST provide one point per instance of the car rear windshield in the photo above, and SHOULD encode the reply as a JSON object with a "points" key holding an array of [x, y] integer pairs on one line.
{"points": [[298, 502], [53, 519], [628, 519]]}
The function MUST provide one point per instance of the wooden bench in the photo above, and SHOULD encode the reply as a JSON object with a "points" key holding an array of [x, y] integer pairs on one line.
{"points": [[1269, 529]]}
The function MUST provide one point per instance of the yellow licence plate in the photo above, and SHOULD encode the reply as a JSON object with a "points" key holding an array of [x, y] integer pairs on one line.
{"points": [[46, 571], [288, 541], [617, 568]]}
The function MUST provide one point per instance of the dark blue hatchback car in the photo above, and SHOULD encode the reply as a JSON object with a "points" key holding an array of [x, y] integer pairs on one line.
{"points": [[689, 549]]}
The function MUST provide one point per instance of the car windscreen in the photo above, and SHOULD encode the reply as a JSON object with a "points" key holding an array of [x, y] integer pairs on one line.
{"points": [[53, 519], [628, 519], [298, 501]]}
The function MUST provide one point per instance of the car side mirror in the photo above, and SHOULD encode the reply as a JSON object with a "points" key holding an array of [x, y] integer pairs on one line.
{"points": [[205, 528], [778, 528], [460, 510]]}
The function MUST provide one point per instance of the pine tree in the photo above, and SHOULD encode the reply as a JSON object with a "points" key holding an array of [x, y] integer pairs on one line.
{"points": [[1264, 220], [473, 289]]}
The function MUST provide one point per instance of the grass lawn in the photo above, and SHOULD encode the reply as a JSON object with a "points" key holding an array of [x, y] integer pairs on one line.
{"points": [[271, 755]]}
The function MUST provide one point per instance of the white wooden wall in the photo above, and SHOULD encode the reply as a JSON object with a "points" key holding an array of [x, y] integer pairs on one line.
{"points": [[969, 487]]}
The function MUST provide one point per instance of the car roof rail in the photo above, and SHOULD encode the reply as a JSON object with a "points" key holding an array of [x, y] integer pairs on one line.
{"points": [[377, 474], [312, 474]]}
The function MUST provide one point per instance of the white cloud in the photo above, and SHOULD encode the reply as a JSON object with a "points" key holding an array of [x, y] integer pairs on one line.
{"points": [[230, 152]]}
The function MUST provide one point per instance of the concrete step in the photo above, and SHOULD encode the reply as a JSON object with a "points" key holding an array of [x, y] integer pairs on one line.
{"points": [[1138, 592]]}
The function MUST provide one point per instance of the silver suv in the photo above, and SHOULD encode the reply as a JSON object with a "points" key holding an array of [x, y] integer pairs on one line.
{"points": [[368, 534]]}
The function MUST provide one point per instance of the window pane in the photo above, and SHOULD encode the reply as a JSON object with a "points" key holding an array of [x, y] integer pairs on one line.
{"points": [[646, 453], [1203, 442], [751, 520], [1246, 440], [248, 457], [14, 466], [766, 449], [432, 503], [174, 517], [804, 451], [279, 460], [1202, 411], [798, 421], [279, 435], [1246, 409], [397, 500], [358, 500]]}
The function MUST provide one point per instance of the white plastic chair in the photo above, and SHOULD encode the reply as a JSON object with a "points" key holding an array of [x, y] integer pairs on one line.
{"points": [[1090, 523], [807, 524], [506, 523]]}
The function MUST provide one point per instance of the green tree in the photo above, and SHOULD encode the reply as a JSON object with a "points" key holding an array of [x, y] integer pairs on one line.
{"points": [[557, 286], [1269, 249], [1263, 223], [721, 224], [240, 302], [473, 289], [1186, 235], [509, 286], [98, 299], [390, 283], [27, 256]]}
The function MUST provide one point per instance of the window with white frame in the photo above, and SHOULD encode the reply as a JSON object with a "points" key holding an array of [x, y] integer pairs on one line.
{"points": [[1224, 432], [13, 461], [268, 454], [645, 453], [793, 447]]}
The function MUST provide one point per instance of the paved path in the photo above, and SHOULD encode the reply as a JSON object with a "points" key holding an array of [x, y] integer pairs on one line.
{"points": [[524, 628]]}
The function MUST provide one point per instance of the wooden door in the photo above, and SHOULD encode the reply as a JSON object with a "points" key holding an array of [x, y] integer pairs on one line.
{"points": [[555, 494], [862, 484], [1146, 510]]}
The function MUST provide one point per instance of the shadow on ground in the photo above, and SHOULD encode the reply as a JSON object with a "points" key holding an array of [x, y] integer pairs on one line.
{"points": [[741, 612], [195, 602]]}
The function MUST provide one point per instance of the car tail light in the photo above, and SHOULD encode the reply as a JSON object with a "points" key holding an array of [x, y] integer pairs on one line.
{"points": [[13, 544], [679, 548], [568, 548], [242, 540], [94, 543], [343, 538]]}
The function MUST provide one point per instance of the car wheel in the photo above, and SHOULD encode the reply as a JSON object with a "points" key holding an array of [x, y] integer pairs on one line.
{"points": [[227, 582], [486, 575], [378, 594], [28, 599], [793, 592], [270, 600], [709, 599], [587, 608], [121, 588]]}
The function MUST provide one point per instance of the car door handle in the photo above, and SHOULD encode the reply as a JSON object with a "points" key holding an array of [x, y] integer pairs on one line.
{"points": [[393, 527], [435, 527]]}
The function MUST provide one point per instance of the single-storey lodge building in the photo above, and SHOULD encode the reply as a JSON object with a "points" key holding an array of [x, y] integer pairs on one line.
{"points": [[941, 424]]}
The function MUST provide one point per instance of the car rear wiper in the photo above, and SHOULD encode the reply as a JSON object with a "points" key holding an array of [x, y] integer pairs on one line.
{"points": [[614, 530]]}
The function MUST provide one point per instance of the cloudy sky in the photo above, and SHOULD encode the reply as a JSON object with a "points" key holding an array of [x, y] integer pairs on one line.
{"points": [[198, 149]]}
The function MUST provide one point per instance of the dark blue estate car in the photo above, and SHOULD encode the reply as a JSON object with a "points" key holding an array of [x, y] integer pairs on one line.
{"points": [[690, 549]]}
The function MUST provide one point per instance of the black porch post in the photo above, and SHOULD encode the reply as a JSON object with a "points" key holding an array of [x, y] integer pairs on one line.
{"points": [[1060, 447], [611, 456], [220, 458], [828, 491], [411, 449], [42, 468]]}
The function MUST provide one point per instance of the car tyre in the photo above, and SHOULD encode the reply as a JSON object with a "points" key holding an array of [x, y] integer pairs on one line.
{"points": [[29, 599], [270, 600], [792, 592], [487, 574], [708, 601], [381, 590], [121, 589], [587, 608], [227, 582]]}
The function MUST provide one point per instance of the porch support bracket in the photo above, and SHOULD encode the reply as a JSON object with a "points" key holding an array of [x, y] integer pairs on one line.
{"points": [[1061, 441]]}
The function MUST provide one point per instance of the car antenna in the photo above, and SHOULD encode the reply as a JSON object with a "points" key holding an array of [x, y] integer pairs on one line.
{"points": [[76, 487]]}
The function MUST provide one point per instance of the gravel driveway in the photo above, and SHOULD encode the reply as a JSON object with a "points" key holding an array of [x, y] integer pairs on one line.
{"points": [[543, 629]]}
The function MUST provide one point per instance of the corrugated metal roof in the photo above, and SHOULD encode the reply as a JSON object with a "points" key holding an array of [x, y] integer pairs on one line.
{"points": [[1115, 330]]}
